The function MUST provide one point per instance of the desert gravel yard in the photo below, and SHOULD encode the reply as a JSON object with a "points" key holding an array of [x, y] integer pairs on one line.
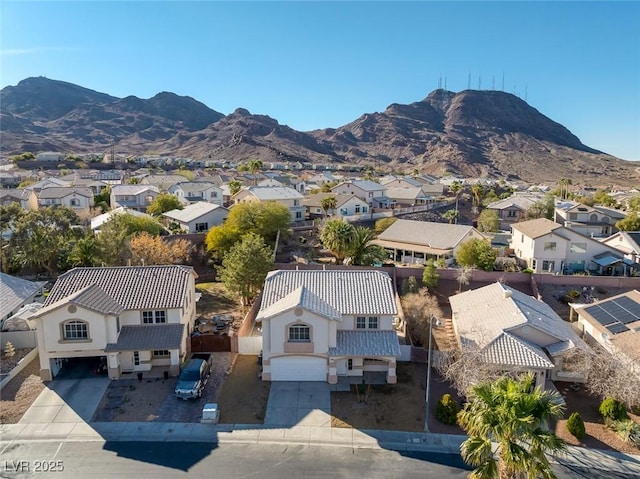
{"points": [[128, 400], [18, 395], [244, 395]]}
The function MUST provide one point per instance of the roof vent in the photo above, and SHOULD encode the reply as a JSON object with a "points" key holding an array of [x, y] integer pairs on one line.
{"points": [[507, 293]]}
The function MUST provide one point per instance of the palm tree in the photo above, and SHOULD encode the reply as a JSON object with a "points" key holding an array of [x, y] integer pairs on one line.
{"points": [[336, 236], [362, 251], [85, 252], [234, 187], [477, 190], [456, 188], [450, 215], [328, 203], [254, 167], [513, 415]]}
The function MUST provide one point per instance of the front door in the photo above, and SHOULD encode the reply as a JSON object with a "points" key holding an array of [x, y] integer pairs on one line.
{"points": [[341, 367]]}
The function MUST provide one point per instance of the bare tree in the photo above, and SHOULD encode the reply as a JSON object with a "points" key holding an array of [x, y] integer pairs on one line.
{"points": [[463, 276], [417, 308]]}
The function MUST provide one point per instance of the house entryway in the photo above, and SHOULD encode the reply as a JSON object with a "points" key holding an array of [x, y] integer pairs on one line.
{"points": [[304, 403]]}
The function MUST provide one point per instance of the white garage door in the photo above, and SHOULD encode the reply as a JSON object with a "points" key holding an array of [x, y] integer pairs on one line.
{"points": [[298, 368]]}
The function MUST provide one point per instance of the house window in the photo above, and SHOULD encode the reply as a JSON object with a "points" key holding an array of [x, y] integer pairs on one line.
{"points": [[521, 238], [298, 215], [357, 208], [578, 247], [573, 216], [511, 214], [75, 202], [150, 317], [299, 333], [161, 353], [350, 364], [549, 266], [148, 199], [371, 194], [118, 324], [373, 322], [202, 227], [214, 194], [364, 209], [296, 202], [593, 218], [75, 330], [136, 358], [550, 246], [361, 322]]}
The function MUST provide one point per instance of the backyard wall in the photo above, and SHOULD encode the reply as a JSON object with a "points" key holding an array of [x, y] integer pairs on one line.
{"points": [[19, 339]]}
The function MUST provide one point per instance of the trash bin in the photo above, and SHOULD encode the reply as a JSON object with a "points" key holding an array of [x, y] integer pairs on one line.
{"points": [[210, 413]]}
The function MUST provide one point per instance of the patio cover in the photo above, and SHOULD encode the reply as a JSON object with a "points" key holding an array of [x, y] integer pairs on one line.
{"points": [[148, 337]]}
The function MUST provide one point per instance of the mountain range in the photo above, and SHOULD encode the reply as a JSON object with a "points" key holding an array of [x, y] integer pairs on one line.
{"points": [[470, 133]]}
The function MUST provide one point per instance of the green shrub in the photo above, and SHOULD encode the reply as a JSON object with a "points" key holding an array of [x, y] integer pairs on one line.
{"points": [[613, 410], [447, 409], [575, 425], [628, 431]]}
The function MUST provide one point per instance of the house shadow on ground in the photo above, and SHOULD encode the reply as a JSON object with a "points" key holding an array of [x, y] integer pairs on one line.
{"points": [[177, 455]]}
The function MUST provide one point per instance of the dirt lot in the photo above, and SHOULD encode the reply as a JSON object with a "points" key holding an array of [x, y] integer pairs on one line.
{"points": [[17, 396], [216, 299], [598, 435], [243, 399], [398, 407]]}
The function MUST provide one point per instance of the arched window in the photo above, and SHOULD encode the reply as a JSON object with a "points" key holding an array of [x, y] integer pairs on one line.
{"points": [[75, 202], [593, 218], [75, 329]]}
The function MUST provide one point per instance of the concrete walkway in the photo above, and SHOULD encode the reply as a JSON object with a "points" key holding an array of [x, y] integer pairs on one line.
{"points": [[302, 403]]}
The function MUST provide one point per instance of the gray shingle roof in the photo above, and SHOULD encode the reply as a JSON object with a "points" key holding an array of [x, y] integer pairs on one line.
{"points": [[148, 337], [348, 291], [133, 287], [304, 298], [14, 291], [193, 211], [434, 235], [64, 191], [510, 350], [366, 343]]}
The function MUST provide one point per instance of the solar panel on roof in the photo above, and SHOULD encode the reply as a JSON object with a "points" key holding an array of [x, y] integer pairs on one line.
{"points": [[630, 305], [626, 318], [600, 315], [617, 328]]}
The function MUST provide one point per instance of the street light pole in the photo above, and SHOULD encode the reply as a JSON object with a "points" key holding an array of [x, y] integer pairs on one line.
{"points": [[426, 411]]}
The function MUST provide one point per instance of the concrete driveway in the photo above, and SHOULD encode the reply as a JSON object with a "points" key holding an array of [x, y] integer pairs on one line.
{"points": [[298, 403], [66, 401]]}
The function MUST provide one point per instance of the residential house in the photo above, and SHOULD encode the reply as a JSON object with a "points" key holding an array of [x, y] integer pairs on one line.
{"points": [[50, 156], [328, 326], [626, 241], [285, 196], [404, 197], [77, 179], [195, 191], [136, 317], [613, 323], [548, 247], [346, 206], [16, 293], [429, 185], [162, 182], [45, 183], [516, 332], [198, 217], [78, 198], [20, 196], [370, 191], [135, 197], [594, 221], [409, 241], [514, 208]]}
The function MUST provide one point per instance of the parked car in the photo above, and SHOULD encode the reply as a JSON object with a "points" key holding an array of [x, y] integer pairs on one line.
{"points": [[193, 378]]}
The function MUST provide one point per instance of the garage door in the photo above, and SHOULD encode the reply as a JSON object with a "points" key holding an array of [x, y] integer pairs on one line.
{"points": [[298, 368]]}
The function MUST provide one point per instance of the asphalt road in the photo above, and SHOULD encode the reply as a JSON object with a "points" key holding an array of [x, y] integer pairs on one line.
{"points": [[122, 460]]}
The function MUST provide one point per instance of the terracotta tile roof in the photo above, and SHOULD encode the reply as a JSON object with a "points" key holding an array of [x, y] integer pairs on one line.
{"points": [[510, 350], [536, 228]]}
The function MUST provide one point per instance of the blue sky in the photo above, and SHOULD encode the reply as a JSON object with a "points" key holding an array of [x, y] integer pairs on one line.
{"points": [[323, 64]]}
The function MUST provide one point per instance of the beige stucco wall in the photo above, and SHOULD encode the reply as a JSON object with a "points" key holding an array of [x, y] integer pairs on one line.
{"points": [[277, 332]]}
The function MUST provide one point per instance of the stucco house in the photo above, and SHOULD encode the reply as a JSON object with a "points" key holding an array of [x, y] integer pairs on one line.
{"points": [[136, 317], [20, 196], [135, 197], [548, 247], [613, 323], [16, 293], [369, 191], [195, 191], [515, 331], [346, 206], [626, 241], [288, 197], [409, 241], [328, 325], [593, 221], [78, 198], [514, 208], [198, 217]]}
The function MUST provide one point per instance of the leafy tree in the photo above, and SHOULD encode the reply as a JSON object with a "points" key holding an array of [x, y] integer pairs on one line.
{"points": [[634, 203], [336, 236], [601, 197], [164, 203], [450, 215], [490, 197], [147, 249], [447, 409], [476, 253], [488, 221], [113, 240], [220, 239], [630, 223], [514, 415], [361, 251], [330, 203], [575, 426], [542, 209], [245, 267], [41, 238], [327, 187], [234, 187], [103, 199], [430, 275], [133, 181], [383, 223]]}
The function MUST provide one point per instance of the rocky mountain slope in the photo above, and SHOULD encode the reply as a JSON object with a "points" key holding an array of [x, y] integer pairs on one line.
{"points": [[472, 133]]}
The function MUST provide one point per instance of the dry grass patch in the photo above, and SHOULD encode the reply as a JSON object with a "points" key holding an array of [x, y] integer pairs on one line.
{"points": [[244, 396], [18, 395]]}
